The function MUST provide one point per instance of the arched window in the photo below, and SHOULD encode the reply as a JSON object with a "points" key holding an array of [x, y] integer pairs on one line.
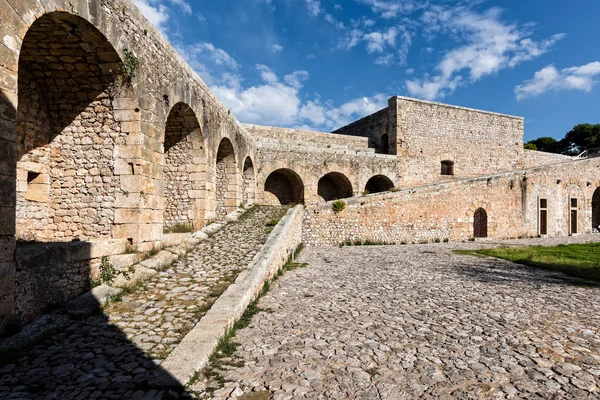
{"points": [[596, 211], [447, 167]]}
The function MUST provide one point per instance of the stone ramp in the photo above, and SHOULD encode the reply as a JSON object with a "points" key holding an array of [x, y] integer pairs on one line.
{"points": [[111, 355]]}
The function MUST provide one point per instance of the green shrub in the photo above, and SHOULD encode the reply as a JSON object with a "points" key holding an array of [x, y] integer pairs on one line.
{"points": [[338, 206], [272, 222]]}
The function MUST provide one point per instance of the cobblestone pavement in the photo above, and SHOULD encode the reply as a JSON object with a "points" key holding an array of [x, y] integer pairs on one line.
{"points": [[417, 321], [111, 356]]}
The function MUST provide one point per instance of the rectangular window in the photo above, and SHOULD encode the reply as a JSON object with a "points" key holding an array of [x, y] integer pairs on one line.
{"points": [[573, 228], [543, 217]]}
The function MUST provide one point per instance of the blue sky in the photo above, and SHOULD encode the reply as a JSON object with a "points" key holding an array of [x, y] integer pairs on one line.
{"points": [[319, 64]]}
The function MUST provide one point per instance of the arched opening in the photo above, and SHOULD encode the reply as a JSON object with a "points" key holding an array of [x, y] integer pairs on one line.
{"points": [[249, 194], [447, 167], [596, 211], [378, 184], [334, 185], [284, 186], [480, 223], [384, 144], [226, 187], [74, 108], [74, 115], [184, 153]]}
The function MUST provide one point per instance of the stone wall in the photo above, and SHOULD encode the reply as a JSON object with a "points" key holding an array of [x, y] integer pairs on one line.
{"points": [[311, 159], [477, 142], [89, 138], [288, 135], [532, 158], [373, 127], [445, 211]]}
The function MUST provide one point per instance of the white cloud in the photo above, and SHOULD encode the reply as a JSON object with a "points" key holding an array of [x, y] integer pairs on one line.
{"points": [[314, 7], [392, 8], [158, 11], [278, 102], [385, 60], [491, 45], [276, 48], [156, 14], [204, 57], [549, 78], [377, 41]]}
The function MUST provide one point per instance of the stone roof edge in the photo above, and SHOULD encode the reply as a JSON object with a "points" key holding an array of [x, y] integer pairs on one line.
{"points": [[458, 107]]}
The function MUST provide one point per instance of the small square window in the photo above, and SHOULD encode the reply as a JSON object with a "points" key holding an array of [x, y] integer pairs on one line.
{"points": [[543, 203], [447, 168], [32, 176]]}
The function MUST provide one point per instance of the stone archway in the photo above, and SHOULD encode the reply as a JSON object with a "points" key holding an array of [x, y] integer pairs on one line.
{"points": [[284, 186], [596, 210], [378, 184], [226, 182], [183, 178], [72, 114], [75, 171], [249, 184], [334, 185]]}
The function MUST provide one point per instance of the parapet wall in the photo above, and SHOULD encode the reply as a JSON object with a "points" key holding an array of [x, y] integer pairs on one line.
{"points": [[533, 158], [445, 211], [297, 135]]}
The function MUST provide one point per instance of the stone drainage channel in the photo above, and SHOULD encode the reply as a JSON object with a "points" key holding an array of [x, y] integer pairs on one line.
{"points": [[117, 354]]}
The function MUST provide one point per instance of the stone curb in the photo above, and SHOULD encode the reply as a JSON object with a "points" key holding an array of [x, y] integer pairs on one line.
{"points": [[193, 352]]}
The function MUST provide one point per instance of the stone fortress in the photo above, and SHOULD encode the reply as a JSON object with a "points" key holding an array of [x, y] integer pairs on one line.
{"points": [[108, 140]]}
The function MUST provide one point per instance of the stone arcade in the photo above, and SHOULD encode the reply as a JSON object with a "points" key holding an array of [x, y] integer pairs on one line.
{"points": [[95, 162]]}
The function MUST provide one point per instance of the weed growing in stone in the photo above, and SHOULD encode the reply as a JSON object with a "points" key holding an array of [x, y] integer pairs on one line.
{"points": [[179, 228], [338, 205], [272, 222], [107, 271]]}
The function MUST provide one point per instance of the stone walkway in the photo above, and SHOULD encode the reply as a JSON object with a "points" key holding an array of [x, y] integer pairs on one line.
{"points": [[417, 321], [117, 355]]}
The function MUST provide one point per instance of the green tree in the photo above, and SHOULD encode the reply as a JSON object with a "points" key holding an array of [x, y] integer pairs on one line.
{"points": [[530, 146], [545, 143], [582, 137]]}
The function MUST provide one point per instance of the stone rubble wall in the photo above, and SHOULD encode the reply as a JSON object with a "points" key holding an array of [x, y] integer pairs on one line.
{"points": [[373, 127], [478, 142], [445, 211], [533, 158], [287, 135]]}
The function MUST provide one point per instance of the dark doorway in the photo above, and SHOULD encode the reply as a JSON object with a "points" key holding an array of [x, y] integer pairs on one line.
{"points": [[378, 184], [384, 144], [284, 186], [480, 222], [596, 211], [543, 218], [334, 186]]}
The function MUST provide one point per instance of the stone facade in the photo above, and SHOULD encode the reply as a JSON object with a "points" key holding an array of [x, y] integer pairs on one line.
{"points": [[108, 139], [445, 211]]}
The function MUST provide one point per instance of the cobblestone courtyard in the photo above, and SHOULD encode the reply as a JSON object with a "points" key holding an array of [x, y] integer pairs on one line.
{"points": [[418, 321]]}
